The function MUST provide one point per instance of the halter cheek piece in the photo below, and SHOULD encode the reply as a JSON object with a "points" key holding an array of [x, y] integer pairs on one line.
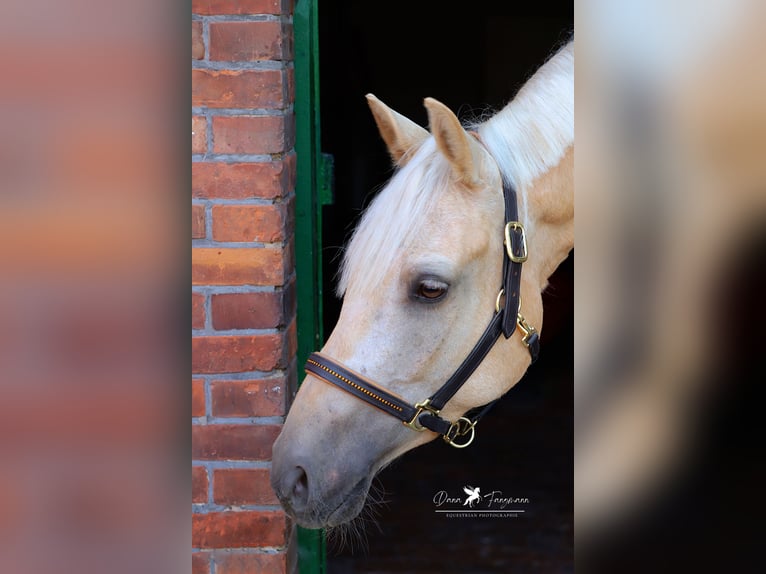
{"points": [[425, 415]]}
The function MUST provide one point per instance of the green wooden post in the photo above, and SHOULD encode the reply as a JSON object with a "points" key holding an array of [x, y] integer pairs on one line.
{"points": [[312, 191]]}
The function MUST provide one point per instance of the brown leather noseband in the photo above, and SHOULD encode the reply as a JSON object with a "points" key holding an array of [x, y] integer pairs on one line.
{"points": [[507, 317]]}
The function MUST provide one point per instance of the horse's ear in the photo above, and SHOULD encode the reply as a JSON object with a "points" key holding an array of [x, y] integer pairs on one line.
{"points": [[400, 134], [453, 141]]}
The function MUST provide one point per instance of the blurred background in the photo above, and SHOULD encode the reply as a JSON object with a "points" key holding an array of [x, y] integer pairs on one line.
{"points": [[93, 289], [669, 362]]}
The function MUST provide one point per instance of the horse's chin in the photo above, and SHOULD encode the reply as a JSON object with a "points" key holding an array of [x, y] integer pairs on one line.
{"points": [[329, 514]]}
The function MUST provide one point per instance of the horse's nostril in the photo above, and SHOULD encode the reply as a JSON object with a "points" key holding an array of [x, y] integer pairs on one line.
{"points": [[301, 487], [293, 489]]}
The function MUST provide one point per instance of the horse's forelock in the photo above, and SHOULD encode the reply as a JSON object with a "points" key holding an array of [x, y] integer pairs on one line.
{"points": [[393, 219]]}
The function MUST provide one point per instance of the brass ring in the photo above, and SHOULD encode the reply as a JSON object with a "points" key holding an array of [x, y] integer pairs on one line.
{"points": [[471, 427], [497, 301]]}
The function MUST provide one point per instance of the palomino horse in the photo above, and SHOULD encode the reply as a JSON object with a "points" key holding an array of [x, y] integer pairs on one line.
{"points": [[421, 280]]}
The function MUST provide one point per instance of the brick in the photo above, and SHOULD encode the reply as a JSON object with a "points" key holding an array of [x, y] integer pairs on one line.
{"points": [[288, 254], [233, 442], [264, 398], [246, 311], [208, 7], [198, 398], [249, 41], [199, 134], [289, 304], [198, 222], [231, 354], [243, 486], [238, 89], [236, 563], [252, 134], [200, 562], [198, 44], [199, 484], [232, 266], [291, 338], [289, 217], [288, 42], [243, 180], [266, 180], [251, 529], [198, 311], [290, 93], [263, 223]]}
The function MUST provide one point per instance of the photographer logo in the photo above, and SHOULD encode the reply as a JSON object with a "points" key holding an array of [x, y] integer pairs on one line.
{"points": [[493, 504]]}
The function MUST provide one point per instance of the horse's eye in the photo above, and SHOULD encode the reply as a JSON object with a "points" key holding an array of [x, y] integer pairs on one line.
{"points": [[431, 290]]}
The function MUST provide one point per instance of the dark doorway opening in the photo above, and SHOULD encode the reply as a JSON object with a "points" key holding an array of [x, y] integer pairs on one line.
{"points": [[473, 58]]}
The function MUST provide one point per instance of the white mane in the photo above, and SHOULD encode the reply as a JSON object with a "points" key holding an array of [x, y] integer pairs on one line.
{"points": [[393, 219], [532, 133]]}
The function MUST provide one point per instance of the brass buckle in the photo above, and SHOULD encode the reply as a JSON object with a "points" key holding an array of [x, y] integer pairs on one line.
{"points": [[460, 427], [509, 244], [424, 406]]}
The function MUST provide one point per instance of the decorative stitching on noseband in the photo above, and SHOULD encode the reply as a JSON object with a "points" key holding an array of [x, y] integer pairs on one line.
{"points": [[353, 384]]}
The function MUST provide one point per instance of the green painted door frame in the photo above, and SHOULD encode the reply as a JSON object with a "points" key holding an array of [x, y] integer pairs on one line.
{"points": [[313, 189]]}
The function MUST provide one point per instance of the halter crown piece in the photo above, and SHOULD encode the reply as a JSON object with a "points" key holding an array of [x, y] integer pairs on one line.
{"points": [[425, 415]]}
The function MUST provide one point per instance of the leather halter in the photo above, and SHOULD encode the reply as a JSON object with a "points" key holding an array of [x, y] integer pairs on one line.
{"points": [[507, 317]]}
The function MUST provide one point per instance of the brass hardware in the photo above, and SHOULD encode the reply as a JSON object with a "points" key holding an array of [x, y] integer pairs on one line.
{"points": [[509, 244], [424, 406], [461, 427], [525, 327], [500, 296]]}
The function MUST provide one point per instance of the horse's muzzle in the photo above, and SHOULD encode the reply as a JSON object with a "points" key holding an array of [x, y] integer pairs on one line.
{"points": [[313, 491]]}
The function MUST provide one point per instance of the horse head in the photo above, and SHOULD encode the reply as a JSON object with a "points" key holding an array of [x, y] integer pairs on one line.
{"points": [[420, 281]]}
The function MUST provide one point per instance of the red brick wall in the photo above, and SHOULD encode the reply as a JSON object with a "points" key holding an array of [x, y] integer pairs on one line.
{"points": [[243, 280]]}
